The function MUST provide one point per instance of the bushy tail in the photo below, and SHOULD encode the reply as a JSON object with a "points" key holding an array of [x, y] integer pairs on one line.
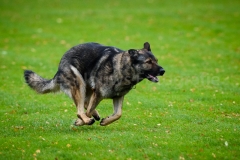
{"points": [[40, 84]]}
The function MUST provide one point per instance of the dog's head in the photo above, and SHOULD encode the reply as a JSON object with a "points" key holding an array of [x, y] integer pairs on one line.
{"points": [[145, 63]]}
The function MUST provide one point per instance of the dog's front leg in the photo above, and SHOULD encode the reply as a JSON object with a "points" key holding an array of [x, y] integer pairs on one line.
{"points": [[94, 101], [117, 103], [95, 113]]}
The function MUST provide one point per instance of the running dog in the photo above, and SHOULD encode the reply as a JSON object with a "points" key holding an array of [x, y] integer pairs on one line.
{"points": [[91, 72]]}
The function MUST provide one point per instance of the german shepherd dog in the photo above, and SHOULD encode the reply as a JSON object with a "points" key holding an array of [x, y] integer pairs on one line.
{"points": [[91, 72]]}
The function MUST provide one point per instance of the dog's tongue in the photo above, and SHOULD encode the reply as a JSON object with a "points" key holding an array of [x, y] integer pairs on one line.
{"points": [[152, 78]]}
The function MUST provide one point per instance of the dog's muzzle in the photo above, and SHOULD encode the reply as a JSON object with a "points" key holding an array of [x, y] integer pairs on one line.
{"points": [[153, 78]]}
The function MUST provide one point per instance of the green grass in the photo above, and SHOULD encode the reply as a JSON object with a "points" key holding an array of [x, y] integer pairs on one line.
{"points": [[193, 113]]}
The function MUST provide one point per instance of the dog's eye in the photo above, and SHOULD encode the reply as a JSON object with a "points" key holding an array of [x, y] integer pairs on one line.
{"points": [[149, 61]]}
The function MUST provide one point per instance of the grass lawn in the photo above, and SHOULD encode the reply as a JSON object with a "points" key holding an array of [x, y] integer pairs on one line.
{"points": [[192, 113]]}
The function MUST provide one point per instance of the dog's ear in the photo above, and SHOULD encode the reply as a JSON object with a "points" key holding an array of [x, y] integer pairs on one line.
{"points": [[133, 53], [146, 46]]}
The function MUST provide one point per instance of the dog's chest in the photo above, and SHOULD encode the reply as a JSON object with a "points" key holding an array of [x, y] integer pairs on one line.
{"points": [[110, 92]]}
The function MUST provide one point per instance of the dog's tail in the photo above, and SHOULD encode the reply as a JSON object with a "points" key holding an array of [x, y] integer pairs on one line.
{"points": [[40, 84]]}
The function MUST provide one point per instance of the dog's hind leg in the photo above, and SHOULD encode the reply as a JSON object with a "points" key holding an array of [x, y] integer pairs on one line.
{"points": [[78, 96], [117, 103], [94, 113], [82, 118], [93, 102]]}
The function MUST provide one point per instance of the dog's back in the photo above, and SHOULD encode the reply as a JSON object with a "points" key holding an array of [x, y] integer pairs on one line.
{"points": [[85, 56]]}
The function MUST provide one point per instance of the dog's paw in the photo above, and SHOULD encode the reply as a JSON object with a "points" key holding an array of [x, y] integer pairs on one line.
{"points": [[79, 122], [97, 118], [91, 122], [86, 120], [102, 123]]}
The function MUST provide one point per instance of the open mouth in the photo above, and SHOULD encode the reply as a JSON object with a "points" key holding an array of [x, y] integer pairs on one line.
{"points": [[152, 78]]}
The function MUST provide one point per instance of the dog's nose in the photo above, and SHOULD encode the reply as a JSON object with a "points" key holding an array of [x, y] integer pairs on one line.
{"points": [[161, 71]]}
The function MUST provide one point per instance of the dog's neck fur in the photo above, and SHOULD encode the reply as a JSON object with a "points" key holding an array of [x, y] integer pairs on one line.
{"points": [[129, 70]]}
